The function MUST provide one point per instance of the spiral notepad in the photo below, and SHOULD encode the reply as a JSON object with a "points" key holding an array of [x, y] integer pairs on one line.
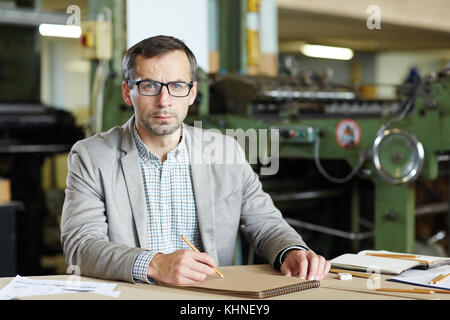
{"points": [[252, 284]]}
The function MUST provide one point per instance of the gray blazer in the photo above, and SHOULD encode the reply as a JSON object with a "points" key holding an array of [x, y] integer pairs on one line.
{"points": [[103, 224]]}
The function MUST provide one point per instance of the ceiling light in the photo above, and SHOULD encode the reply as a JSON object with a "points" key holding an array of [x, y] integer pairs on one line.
{"points": [[326, 52], [60, 30]]}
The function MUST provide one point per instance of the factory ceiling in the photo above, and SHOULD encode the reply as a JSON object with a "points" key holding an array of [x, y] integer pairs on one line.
{"points": [[413, 26]]}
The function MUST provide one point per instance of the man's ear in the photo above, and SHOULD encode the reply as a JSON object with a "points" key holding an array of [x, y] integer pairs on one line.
{"points": [[126, 94], [193, 92]]}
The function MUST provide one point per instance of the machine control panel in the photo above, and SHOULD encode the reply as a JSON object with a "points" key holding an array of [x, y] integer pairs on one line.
{"points": [[297, 134]]}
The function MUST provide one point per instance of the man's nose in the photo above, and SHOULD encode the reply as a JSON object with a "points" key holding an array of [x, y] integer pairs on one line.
{"points": [[164, 97]]}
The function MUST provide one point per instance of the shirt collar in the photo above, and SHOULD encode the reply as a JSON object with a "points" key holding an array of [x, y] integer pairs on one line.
{"points": [[146, 153]]}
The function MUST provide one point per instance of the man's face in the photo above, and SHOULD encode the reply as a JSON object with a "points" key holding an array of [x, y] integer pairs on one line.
{"points": [[161, 114]]}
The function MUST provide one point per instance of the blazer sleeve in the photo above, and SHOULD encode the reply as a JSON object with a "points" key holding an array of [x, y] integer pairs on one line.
{"points": [[262, 223], [84, 225]]}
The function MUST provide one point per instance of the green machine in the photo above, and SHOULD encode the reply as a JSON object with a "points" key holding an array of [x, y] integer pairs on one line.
{"points": [[391, 142]]}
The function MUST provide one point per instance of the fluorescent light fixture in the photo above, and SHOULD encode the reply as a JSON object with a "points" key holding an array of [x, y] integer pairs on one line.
{"points": [[60, 30], [326, 52]]}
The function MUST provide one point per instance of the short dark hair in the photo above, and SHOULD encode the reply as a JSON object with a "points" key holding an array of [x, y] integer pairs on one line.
{"points": [[152, 47]]}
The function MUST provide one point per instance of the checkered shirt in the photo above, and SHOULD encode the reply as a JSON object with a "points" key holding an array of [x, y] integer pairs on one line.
{"points": [[170, 204]]}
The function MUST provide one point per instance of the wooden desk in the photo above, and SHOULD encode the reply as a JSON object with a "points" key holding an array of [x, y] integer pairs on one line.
{"points": [[331, 289]]}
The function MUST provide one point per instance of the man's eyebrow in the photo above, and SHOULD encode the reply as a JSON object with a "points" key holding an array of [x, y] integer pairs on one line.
{"points": [[177, 80], [181, 80]]}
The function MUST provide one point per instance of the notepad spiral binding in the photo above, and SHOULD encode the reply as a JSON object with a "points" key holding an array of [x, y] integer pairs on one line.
{"points": [[290, 288]]}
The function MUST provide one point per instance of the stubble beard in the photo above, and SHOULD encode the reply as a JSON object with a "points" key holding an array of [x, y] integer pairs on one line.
{"points": [[160, 129]]}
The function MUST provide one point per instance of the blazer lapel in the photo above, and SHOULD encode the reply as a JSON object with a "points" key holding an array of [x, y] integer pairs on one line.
{"points": [[202, 184], [133, 180]]}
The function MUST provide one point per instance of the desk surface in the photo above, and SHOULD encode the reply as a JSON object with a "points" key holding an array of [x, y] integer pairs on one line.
{"points": [[331, 289]]}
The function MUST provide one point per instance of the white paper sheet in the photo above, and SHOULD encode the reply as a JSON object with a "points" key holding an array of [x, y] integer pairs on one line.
{"points": [[423, 277], [22, 287], [364, 263], [432, 260]]}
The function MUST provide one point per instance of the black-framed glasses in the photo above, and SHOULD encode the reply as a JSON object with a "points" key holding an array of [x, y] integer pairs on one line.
{"points": [[177, 89]]}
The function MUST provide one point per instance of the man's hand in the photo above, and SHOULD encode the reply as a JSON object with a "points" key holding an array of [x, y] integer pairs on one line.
{"points": [[306, 264], [181, 267]]}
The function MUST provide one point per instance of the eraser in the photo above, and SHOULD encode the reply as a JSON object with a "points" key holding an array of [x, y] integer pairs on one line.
{"points": [[344, 276]]}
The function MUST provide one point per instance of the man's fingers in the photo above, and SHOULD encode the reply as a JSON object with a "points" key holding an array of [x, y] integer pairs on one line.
{"points": [[204, 263], [313, 265], [303, 264], [200, 262], [181, 267], [205, 258], [296, 263], [185, 275], [286, 269], [320, 269], [326, 268], [307, 264], [193, 275]]}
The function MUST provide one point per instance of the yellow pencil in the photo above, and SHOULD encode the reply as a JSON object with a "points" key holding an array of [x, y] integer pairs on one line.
{"points": [[397, 256], [406, 290], [441, 291], [442, 278], [355, 274], [436, 279], [391, 255], [196, 250]]}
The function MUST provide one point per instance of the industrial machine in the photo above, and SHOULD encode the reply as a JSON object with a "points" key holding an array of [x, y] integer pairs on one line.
{"points": [[390, 142], [333, 142], [28, 134]]}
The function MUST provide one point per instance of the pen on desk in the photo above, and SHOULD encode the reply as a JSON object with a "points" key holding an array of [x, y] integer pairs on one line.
{"points": [[355, 274], [196, 250], [433, 281], [415, 290], [397, 256], [391, 255], [441, 291], [442, 278]]}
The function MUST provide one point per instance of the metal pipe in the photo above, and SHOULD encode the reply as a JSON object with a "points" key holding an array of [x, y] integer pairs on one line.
{"points": [[330, 231], [30, 17], [432, 208], [305, 195]]}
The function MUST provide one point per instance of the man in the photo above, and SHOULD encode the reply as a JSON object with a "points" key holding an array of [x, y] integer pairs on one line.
{"points": [[134, 190]]}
